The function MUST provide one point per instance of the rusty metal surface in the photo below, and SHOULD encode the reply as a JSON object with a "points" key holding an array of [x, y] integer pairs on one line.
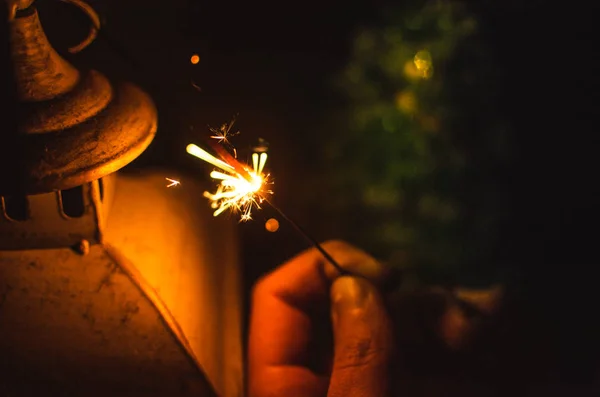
{"points": [[190, 260], [40, 72], [90, 150], [89, 97], [48, 226], [73, 127], [155, 310], [74, 325]]}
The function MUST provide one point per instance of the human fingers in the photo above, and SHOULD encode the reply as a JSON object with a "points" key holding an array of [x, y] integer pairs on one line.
{"points": [[363, 341], [282, 322]]}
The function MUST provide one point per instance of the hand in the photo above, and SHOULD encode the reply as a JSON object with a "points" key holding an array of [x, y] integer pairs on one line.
{"points": [[292, 310]]}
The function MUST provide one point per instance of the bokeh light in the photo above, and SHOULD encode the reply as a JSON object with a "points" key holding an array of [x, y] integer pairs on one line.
{"points": [[272, 225]]}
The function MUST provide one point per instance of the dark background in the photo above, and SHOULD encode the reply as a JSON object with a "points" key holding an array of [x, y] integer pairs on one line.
{"points": [[272, 63]]}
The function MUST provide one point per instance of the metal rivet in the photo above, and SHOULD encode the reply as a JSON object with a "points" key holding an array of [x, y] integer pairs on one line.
{"points": [[83, 247]]}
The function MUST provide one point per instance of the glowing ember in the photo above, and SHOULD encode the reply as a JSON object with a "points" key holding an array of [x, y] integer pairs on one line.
{"points": [[240, 187], [272, 225]]}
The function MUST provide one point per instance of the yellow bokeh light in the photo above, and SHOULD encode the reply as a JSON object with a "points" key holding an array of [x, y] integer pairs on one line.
{"points": [[272, 225], [406, 101], [195, 59], [424, 64], [411, 71]]}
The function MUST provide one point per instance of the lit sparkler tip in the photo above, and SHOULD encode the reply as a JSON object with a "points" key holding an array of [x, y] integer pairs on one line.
{"points": [[202, 154], [190, 148], [241, 187], [173, 182]]}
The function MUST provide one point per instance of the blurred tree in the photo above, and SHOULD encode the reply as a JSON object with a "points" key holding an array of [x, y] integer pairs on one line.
{"points": [[413, 164]]}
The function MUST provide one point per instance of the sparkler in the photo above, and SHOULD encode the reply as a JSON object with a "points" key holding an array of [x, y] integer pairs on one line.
{"points": [[242, 187]]}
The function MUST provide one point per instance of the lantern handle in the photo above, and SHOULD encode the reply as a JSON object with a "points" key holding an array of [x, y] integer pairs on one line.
{"points": [[15, 5], [94, 26]]}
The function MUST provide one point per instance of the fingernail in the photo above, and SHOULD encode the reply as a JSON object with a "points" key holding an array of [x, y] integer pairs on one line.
{"points": [[349, 292]]}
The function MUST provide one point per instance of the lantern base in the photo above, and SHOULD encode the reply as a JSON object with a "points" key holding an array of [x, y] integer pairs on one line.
{"points": [[152, 310]]}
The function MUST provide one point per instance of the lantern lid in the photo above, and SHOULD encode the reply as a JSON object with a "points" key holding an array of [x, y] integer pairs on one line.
{"points": [[73, 126]]}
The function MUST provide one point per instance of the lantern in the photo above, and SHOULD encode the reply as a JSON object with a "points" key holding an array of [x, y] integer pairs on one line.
{"points": [[110, 284]]}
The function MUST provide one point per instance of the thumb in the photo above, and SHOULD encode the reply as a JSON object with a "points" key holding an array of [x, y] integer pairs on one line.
{"points": [[362, 340]]}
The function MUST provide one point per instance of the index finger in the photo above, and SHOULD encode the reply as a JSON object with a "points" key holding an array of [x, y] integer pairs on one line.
{"points": [[281, 325], [305, 278]]}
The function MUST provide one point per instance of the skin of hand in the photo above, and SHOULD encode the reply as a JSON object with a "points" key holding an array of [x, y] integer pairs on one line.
{"points": [[302, 303]]}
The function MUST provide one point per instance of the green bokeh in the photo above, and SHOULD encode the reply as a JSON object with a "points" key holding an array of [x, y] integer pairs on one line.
{"points": [[408, 162]]}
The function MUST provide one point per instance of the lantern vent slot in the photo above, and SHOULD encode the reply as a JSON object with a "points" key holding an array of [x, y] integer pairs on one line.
{"points": [[101, 189], [16, 208], [72, 202]]}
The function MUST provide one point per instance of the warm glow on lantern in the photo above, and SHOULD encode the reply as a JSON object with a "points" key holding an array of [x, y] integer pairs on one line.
{"points": [[195, 59]]}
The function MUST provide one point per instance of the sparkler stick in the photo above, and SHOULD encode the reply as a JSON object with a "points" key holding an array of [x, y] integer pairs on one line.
{"points": [[310, 239]]}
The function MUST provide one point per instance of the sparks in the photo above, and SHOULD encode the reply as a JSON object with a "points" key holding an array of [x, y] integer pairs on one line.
{"points": [[223, 134], [173, 182], [241, 187]]}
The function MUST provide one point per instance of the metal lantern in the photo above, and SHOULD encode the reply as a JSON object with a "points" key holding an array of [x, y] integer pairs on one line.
{"points": [[109, 284]]}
